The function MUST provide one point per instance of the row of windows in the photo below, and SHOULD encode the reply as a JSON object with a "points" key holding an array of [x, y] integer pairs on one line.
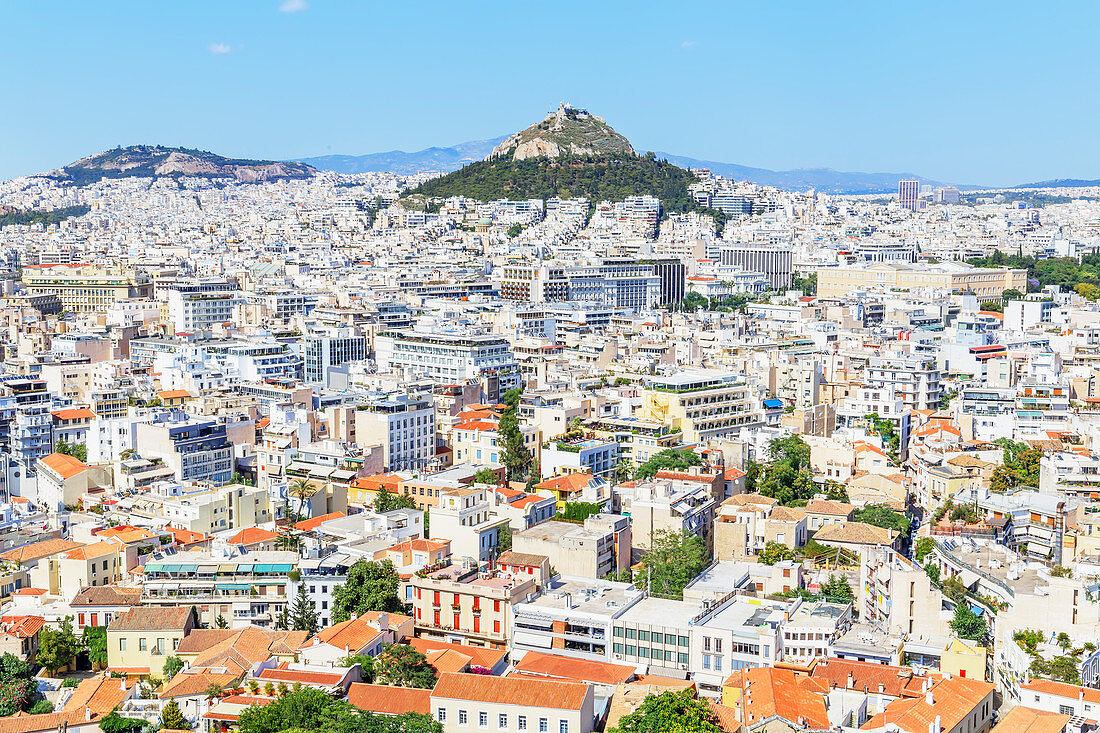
{"points": [[502, 721], [656, 636], [647, 653]]}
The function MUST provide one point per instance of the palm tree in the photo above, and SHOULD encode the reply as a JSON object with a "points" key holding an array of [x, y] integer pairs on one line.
{"points": [[301, 489]]}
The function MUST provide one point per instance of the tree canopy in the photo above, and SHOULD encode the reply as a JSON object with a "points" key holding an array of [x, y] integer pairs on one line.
{"points": [[303, 616], [881, 515], [671, 459], [775, 552], [787, 477], [672, 561], [310, 709], [1020, 468], [387, 501], [371, 586], [675, 711], [401, 665], [58, 647], [967, 624]]}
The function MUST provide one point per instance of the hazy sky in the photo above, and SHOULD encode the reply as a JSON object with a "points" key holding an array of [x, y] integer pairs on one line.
{"points": [[966, 92]]}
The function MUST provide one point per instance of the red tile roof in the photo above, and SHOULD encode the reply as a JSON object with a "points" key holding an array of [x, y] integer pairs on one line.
{"points": [[63, 465], [389, 700], [525, 691], [309, 524], [571, 668]]}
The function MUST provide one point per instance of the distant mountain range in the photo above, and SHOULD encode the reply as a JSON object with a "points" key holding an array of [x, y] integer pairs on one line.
{"points": [[1062, 183], [433, 159], [446, 160]]}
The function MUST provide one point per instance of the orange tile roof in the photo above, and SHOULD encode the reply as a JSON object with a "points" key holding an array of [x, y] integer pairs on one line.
{"points": [[570, 668], [895, 681], [353, 635], [528, 692], [186, 536], [195, 682], [297, 675], [253, 535], [173, 394], [91, 552], [1022, 719], [63, 465], [101, 694], [310, 524], [76, 413], [476, 425], [480, 656], [22, 723], [952, 701], [1063, 689], [449, 660], [39, 550], [389, 700], [703, 478], [767, 692], [571, 482], [22, 626]]}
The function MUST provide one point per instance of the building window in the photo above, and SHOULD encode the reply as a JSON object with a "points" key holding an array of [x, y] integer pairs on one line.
{"points": [[563, 726], [631, 650], [617, 648], [544, 725], [142, 645], [483, 719], [1065, 710], [462, 717], [521, 722], [502, 720], [441, 715], [122, 645]]}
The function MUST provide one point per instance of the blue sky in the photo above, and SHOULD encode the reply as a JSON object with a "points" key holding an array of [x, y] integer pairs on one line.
{"points": [[967, 92]]}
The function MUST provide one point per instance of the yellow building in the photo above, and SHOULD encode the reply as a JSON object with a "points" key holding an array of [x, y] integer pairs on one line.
{"points": [[985, 282], [85, 288], [141, 639], [964, 658], [701, 404]]}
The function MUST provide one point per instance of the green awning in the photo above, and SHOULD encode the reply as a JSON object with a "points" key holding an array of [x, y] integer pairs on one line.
{"points": [[169, 568], [153, 567], [262, 568], [234, 586], [281, 568], [187, 568]]}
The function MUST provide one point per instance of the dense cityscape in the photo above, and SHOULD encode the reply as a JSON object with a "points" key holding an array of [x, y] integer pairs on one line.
{"points": [[545, 434]]}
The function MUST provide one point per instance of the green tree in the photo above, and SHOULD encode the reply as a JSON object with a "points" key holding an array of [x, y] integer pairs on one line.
{"points": [[370, 586], [288, 540], [514, 230], [891, 441], [881, 515], [1088, 291], [78, 451], [670, 459], [282, 619], [366, 665], [171, 717], [172, 666], [675, 711], [401, 665], [303, 617], [310, 709], [578, 511], [837, 588], [1012, 294], [775, 552], [933, 573], [301, 489], [516, 457], [924, 547], [787, 477], [624, 469], [504, 538], [486, 476], [673, 560], [95, 640], [58, 647], [220, 622], [387, 501], [967, 624], [115, 723]]}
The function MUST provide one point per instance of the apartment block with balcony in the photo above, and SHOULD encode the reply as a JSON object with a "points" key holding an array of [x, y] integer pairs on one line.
{"points": [[702, 404], [243, 589], [572, 616], [197, 450], [468, 605], [466, 517]]}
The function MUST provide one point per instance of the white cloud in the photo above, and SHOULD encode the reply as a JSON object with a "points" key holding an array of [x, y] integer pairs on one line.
{"points": [[293, 6], [220, 49], [689, 44]]}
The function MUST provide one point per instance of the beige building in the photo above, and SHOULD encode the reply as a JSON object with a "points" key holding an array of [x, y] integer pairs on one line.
{"points": [[984, 282], [701, 404], [85, 288], [466, 702], [457, 605], [600, 547], [140, 640]]}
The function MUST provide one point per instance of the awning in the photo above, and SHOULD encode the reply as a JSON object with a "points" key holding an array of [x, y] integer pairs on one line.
{"points": [[233, 586], [230, 568], [261, 568], [208, 569]]}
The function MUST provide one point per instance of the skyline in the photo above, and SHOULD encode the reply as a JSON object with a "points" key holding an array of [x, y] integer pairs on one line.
{"points": [[952, 97]]}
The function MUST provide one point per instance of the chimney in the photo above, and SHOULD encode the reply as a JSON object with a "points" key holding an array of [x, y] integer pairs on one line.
{"points": [[87, 714], [928, 698], [851, 681], [122, 684]]}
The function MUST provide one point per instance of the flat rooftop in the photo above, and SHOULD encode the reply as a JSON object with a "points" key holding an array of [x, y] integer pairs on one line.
{"points": [[583, 596]]}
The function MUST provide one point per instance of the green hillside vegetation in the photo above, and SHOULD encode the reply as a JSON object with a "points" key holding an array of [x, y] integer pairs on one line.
{"points": [[141, 161], [597, 179], [1064, 271], [46, 218]]}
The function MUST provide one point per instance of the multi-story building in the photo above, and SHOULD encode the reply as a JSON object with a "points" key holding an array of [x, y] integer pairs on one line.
{"points": [[321, 353], [775, 262], [701, 404], [465, 516], [985, 282], [198, 305], [595, 550], [463, 702], [85, 288], [468, 605], [197, 450], [242, 589], [668, 505], [909, 194], [448, 358], [913, 380], [404, 425]]}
